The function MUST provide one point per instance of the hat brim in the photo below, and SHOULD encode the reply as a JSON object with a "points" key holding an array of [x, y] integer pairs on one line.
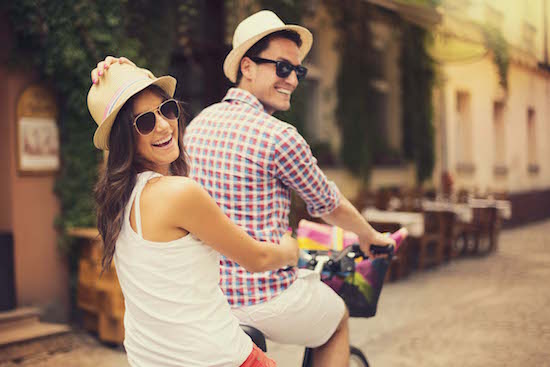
{"points": [[233, 60], [101, 136]]}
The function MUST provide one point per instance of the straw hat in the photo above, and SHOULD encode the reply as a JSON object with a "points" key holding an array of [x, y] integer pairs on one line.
{"points": [[117, 86], [253, 29]]}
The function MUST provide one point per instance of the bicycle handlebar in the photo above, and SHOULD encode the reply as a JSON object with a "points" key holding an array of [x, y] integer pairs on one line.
{"points": [[336, 263]]}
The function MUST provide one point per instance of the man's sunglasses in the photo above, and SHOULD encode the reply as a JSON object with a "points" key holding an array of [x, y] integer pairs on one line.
{"points": [[146, 121], [283, 68]]}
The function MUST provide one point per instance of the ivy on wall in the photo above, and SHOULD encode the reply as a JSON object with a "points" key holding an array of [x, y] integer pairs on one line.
{"points": [[354, 86], [417, 79], [495, 41], [64, 40], [359, 110], [290, 11]]}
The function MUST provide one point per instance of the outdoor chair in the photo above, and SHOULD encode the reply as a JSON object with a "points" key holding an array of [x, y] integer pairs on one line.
{"points": [[481, 234], [430, 247]]}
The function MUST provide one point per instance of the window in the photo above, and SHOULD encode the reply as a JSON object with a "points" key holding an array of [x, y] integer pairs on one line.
{"points": [[464, 132], [532, 164], [499, 129], [385, 121], [198, 55], [313, 56], [314, 124]]}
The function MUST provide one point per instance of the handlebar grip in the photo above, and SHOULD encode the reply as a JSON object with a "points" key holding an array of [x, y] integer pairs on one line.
{"points": [[399, 235], [378, 250]]}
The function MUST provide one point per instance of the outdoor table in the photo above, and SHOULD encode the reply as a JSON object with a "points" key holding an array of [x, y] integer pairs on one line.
{"points": [[463, 212], [504, 207], [414, 222]]}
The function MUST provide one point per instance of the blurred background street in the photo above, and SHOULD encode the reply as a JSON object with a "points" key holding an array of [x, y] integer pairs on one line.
{"points": [[432, 115], [475, 311]]}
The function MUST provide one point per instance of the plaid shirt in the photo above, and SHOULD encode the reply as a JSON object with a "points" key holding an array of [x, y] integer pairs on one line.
{"points": [[249, 161]]}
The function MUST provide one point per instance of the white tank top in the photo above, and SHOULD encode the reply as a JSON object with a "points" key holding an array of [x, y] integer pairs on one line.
{"points": [[176, 314]]}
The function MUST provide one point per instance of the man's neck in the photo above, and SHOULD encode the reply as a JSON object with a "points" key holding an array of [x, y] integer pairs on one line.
{"points": [[247, 88]]}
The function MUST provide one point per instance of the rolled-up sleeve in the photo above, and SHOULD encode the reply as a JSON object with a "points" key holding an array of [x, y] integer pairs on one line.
{"points": [[294, 164]]}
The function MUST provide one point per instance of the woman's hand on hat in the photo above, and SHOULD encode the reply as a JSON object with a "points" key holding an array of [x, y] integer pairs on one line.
{"points": [[102, 66]]}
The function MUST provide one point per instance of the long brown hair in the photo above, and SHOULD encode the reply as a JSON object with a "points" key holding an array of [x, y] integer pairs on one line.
{"points": [[118, 177]]}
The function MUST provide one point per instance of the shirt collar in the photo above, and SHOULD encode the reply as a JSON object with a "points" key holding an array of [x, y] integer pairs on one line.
{"points": [[244, 96]]}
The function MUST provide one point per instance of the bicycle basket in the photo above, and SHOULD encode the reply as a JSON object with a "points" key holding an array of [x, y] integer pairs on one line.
{"points": [[361, 289]]}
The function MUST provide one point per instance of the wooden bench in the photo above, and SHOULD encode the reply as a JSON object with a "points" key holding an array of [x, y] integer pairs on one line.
{"points": [[99, 299]]}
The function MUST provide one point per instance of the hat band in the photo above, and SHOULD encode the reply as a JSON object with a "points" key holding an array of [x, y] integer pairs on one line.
{"points": [[117, 95]]}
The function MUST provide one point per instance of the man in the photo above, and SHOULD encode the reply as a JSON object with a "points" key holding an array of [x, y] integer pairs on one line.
{"points": [[249, 162]]}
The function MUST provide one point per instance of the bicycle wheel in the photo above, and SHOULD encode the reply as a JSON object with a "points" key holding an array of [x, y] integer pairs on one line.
{"points": [[357, 358]]}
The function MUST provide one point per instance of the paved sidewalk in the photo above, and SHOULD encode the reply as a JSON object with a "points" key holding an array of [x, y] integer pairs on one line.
{"points": [[76, 349], [477, 311]]}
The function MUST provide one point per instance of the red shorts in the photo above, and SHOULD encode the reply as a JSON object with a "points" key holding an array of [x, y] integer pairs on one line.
{"points": [[257, 358]]}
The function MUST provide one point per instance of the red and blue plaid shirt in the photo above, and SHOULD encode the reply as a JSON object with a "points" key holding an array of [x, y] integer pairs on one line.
{"points": [[249, 162]]}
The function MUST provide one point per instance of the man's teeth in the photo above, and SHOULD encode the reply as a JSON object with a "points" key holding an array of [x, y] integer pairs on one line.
{"points": [[284, 91]]}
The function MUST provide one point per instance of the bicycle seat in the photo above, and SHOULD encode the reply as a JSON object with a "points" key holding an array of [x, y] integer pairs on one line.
{"points": [[256, 335]]}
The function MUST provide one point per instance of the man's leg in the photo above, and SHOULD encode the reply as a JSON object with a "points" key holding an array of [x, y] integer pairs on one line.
{"points": [[308, 313], [335, 352]]}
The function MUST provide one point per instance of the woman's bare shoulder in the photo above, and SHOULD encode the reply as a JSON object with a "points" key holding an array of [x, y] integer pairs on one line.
{"points": [[174, 188], [176, 200]]}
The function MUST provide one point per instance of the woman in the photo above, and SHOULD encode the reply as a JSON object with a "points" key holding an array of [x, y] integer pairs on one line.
{"points": [[165, 232]]}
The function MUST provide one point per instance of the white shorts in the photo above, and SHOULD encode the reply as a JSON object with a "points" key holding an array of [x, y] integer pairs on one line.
{"points": [[307, 313]]}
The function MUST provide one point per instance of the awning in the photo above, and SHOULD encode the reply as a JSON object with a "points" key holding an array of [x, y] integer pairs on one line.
{"points": [[418, 12], [447, 48], [458, 39]]}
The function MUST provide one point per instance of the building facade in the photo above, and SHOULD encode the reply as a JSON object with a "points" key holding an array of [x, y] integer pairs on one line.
{"points": [[491, 138], [34, 272]]}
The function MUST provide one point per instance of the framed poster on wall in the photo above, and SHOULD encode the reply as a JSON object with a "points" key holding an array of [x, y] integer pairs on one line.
{"points": [[37, 132], [38, 143]]}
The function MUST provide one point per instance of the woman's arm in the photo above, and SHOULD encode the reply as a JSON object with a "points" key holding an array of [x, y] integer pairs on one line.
{"points": [[195, 211]]}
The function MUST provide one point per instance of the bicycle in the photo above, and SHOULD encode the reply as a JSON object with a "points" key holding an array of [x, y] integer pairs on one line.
{"points": [[330, 264]]}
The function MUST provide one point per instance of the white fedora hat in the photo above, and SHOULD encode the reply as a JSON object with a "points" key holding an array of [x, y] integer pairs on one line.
{"points": [[118, 85], [253, 29]]}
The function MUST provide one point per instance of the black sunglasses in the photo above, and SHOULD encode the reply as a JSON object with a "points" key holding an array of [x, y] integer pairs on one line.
{"points": [[146, 121], [283, 68]]}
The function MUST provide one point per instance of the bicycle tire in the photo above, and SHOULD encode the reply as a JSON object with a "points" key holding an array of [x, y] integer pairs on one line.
{"points": [[357, 358]]}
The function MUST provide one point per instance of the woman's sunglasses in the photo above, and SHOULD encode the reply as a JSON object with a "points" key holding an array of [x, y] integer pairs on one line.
{"points": [[283, 68], [145, 122]]}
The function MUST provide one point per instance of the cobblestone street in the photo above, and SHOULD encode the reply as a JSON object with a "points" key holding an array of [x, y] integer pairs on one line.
{"points": [[475, 311]]}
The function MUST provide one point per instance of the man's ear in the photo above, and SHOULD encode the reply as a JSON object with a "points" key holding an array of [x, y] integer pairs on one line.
{"points": [[248, 68]]}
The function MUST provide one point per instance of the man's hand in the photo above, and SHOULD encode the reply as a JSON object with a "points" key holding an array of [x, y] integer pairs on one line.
{"points": [[102, 66], [375, 238]]}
